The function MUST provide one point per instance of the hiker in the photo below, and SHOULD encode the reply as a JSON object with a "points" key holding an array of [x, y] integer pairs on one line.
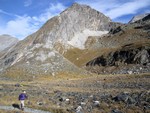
{"points": [[22, 97]]}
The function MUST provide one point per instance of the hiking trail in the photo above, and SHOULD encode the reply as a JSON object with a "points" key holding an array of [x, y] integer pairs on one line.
{"points": [[27, 110]]}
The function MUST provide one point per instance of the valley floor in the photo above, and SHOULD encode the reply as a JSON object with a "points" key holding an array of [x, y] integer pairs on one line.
{"points": [[87, 94]]}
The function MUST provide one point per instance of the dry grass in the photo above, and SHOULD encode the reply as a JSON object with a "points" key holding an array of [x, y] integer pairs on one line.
{"points": [[81, 57], [67, 82], [12, 111]]}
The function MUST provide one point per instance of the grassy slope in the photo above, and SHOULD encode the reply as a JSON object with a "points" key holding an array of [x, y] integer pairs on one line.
{"points": [[129, 35]]}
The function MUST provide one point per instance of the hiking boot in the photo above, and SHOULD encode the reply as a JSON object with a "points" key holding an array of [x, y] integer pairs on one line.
{"points": [[22, 109]]}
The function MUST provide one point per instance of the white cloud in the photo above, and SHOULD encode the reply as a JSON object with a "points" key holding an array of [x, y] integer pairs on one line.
{"points": [[128, 8], [56, 7], [117, 8], [101, 5], [52, 10], [6, 13], [22, 26], [27, 3]]}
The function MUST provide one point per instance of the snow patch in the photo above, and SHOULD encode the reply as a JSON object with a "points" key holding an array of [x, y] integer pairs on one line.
{"points": [[80, 38]]}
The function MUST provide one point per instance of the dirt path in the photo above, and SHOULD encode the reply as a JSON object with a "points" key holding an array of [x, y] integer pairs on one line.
{"points": [[27, 110]]}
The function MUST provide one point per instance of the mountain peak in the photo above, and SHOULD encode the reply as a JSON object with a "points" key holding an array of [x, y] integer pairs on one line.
{"points": [[138, 17], [76, 4], [45, 48], [7, 41], [77, 20], [77, 7]]}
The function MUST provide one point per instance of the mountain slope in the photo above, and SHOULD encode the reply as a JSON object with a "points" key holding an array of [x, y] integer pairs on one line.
{"points": [[7, 41], [127, 49], [39, 53], [72, 27], [138, 17], [73, 40]]}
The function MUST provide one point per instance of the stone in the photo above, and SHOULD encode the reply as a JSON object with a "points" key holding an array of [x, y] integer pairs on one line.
{"points": [[116, 111], [63, 99], [78, 109], [121, 97], [96, 103], [129, 72], [67, 99], [40, 103], [17, 85], [1, 87], [83, 103]]}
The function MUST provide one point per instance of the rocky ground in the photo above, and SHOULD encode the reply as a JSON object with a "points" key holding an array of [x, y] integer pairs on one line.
{"points": [[90, 94]]}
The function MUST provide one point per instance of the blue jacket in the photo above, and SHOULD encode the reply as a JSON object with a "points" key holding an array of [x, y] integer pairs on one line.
{"points": [[22, 96]]}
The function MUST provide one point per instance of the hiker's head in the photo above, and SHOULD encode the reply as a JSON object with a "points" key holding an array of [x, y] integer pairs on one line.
{"points": [[24, 91]]}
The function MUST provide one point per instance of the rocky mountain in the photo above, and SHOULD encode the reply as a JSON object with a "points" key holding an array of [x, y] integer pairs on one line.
{"points": [[72, 27], [125, 50], [74, 41], [43, 52], [138, 17], [7, 41]]}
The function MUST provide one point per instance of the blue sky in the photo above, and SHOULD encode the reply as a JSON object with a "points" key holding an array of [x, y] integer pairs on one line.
{"points": [[20, 18]]}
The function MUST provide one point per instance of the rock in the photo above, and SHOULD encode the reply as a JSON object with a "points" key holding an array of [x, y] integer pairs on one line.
{"points": [[17, 85], [127, 55], [79, 109], [142, 57], [116, 111], [130, 100], [63, 99], [129, 72], [124, 97], [114, 31], [40, 103], [67, 99], [1, 87], [53, 74], [83, 103], [96, 103], [91, 96]]}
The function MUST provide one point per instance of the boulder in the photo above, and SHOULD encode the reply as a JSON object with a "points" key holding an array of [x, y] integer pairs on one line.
{"points": [[115, 111]]}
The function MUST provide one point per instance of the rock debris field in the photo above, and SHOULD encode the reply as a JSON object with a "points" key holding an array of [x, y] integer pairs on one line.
{"points": [[95, 94]]}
